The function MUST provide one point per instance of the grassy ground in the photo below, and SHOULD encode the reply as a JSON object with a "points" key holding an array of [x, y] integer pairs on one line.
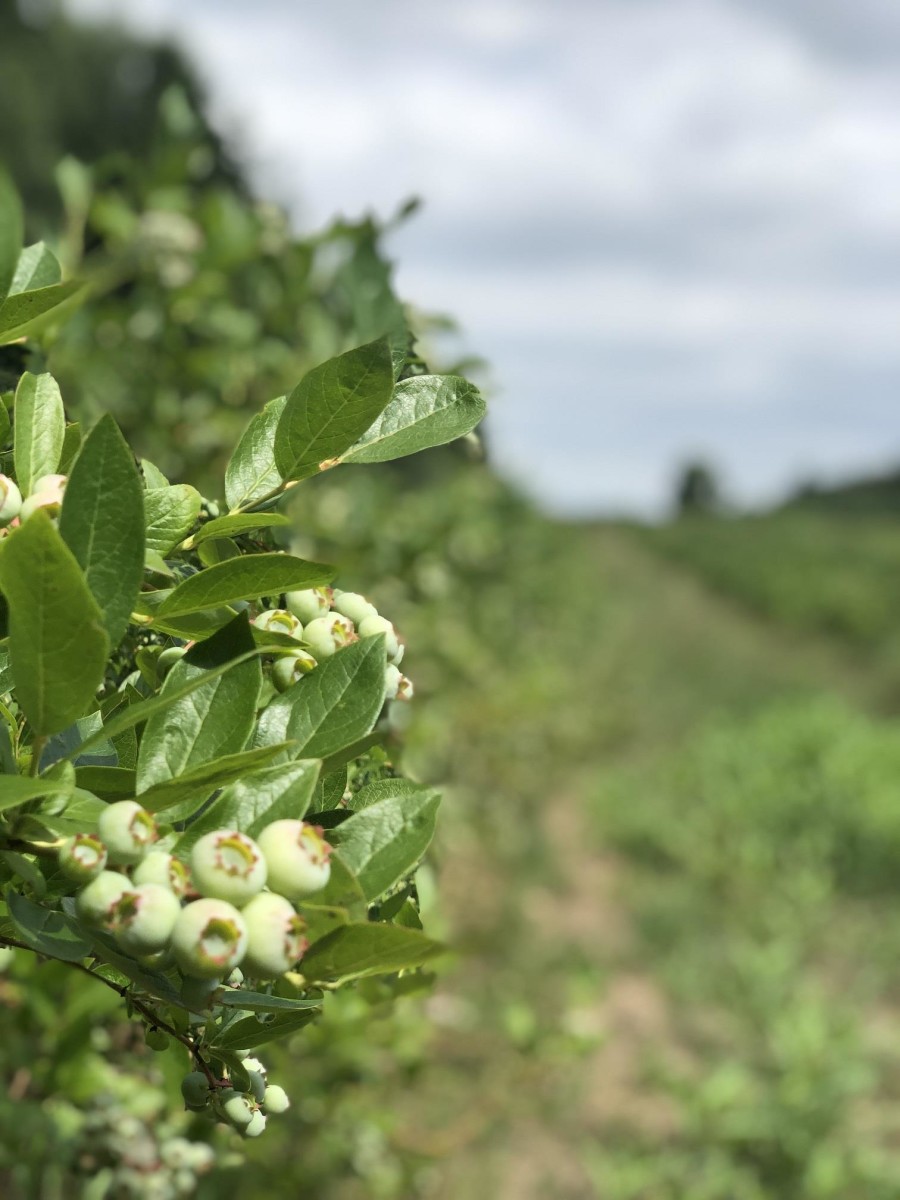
{"points": [[670, 860]]}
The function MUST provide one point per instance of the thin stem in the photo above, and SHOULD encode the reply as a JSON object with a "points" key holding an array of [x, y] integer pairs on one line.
{"points": [[37, 749]]}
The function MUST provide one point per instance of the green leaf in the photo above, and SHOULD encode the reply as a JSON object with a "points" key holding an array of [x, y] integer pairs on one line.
{"points": [[171, 513], [29, 312], [383, 843], [259, 1002], [213, 721], [237, 523], [331, 407], [70, 447], [341, 892], [37, 268], [16, 789], [382, 789], [243, 579], [77, 814], [333, 706], [102, 522], [251, 473], [137, 714], [425, 411], [45, 930], [257, 800], [58, 646], [190, 789], [251, 1033], [154, 480], [40, 429], [363, 948], [10, 231], [111, 783]]}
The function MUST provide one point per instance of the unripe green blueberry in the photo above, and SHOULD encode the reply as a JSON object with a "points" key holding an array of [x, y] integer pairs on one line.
{"points": [[309, 603], [128, 831], [10, 500], [290, 668], [197, 994], [253, 1064], [275, 934], [82, 857], [279, 620], [327, 634], [144, 917], [169, 657], [371, 626], [176, 1152], [236, 978], [95, 903], [297, 856], [257, 1086], [209, 939], [195, 1090], [276, 1100], [228, 865], [354, 606], [257, 1125], [49, 483], [237, 1109], [157, 1039], [165, 869], [50, 501]]}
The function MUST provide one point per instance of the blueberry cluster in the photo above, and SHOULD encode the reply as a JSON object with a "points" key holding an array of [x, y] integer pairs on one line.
{"points": [[47, 493], [246, 1111], [139, 1159], [323, 620], [206, 916]]}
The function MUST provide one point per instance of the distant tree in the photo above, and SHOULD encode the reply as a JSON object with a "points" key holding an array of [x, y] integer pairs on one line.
{"points": [[697, 490]]}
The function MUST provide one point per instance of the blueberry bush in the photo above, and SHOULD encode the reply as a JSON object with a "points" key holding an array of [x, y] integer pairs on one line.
{"points": [[200, 807]]}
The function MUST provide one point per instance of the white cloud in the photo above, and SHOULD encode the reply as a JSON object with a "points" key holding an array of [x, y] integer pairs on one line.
{"points": [[696, 198]]}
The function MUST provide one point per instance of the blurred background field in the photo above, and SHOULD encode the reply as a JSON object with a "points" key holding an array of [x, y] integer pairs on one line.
{"points": [[669, 858]]}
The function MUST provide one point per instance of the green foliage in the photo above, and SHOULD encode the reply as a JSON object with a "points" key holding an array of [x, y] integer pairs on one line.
{"points": [[105, 574]]}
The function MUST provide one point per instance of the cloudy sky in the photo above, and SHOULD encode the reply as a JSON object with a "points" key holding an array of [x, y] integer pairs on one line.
{"points": [[672, 226]]}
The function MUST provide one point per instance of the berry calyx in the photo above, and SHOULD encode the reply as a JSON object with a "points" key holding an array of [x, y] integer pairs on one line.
{"points": [[309, 603], [297, 856], [209, 939], [279, 620], [128, 831], [276, 936], [82, 857], [228, 865]]}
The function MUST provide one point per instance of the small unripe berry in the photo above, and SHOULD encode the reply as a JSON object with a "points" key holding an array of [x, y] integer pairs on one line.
{"points": [[95, 904], [253, 1064], [275, 934], [195, 1090], [257, 1086], [237, 1109], [257, 1125], [128, 831], [354, 606], [228, 865], [286, 671], [157, 1040], [327, 634], [197, 994], [209, 939], [49, 483], [279, 620], [276, 1100], [50, 501], [309, 603], [374, 625], [297, 857], [165, 869], [82, 857], [144, 917], [10, 500]]}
